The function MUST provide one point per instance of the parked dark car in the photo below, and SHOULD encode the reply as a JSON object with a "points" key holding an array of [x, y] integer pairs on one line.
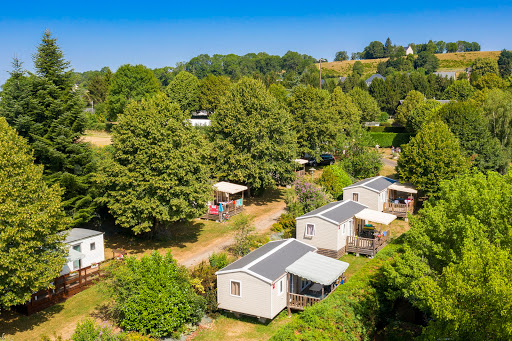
{"points": [[325, 159]]}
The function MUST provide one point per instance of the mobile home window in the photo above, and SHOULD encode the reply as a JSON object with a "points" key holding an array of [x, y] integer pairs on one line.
{"points": [[236, 289], [310, 230], [355, 196], [93, 246], [281, 286]]}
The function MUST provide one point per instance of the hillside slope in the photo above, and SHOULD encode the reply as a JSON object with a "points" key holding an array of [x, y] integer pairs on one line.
{"points": [[457, 62]]}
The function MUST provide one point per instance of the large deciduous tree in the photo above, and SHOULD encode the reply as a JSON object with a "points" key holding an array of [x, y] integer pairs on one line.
{"points": [[211, 91], [432, 156], [254, 140], [184, 90], [344, 108], [428, 61], [413, 100], [159, 172], [471, 128], [313, 121], [456, 261], [358, 156], [366, 103], [130, 82], [497, 107], [460, 90], [31, 219]]}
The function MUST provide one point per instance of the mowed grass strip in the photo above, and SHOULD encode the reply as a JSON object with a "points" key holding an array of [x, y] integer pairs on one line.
{"points": [[59, 320]]}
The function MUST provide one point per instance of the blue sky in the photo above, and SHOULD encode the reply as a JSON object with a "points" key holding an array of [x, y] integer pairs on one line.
{"points": [[94, 34]]}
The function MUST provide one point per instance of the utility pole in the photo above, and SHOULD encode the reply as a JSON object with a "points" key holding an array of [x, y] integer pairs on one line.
{"points": [[320, 66]]}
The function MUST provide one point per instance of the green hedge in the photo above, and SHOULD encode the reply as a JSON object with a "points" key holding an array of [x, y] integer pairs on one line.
{"points": [[387, 129], [391, 139], [349, 313]]}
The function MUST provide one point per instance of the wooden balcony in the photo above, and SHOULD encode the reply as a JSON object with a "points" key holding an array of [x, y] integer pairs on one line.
{"points": [[366, 246], [400, 210], [299, 302], [307, 297], [65, 287]]}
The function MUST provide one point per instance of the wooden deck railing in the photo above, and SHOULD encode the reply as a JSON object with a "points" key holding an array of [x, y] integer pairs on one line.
{"points": [[228, 212], [398, 209], [296, 301], [65, 286], [366, 246], [300, 172]]}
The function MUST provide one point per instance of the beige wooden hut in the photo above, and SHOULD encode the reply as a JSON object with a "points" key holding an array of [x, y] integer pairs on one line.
{"points": [[228, 200]]}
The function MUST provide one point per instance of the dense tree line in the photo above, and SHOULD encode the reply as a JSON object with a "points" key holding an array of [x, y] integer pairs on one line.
{"points": [[377, 49]]}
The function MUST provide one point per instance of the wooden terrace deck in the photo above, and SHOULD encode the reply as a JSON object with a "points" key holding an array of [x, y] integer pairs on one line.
{"points": [[366, 246]]}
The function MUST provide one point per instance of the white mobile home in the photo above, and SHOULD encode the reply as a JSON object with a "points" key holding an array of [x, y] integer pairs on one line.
{"points": [[85, 248], [260, 285], [383, 194], [334, 228]]}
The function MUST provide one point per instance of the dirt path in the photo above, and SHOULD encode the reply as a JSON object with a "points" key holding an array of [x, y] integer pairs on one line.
{"points": [[389, 162], [263, 223]]}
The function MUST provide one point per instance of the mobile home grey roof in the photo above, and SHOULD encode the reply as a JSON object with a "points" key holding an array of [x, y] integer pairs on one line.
{"points": [[254, 255], [270, 260], [337, 212], [77, 234], [274, 266], [377, 183]]}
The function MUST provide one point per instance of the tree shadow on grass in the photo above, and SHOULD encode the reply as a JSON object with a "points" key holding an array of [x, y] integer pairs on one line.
{"points": [[175, 235], [12, 322], [271, 195], [245, 318]]}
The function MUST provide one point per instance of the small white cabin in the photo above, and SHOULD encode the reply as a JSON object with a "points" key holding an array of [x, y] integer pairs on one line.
{"points": [[383, 194], [280, 274], [85, 248], [334, 228]]}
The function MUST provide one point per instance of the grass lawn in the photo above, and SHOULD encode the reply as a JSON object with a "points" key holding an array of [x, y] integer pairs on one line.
{"points": [[228, 327], [389, 171], [98, 138], [58, 320]]}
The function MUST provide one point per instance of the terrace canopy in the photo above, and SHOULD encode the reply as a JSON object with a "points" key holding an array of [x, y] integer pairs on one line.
{"points": [[375, 216], [301, 161], [317, 268], [228, 187], [403, 188]]}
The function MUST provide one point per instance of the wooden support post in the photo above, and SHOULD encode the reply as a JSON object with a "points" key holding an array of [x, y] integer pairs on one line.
{"points": [[322, 297]]}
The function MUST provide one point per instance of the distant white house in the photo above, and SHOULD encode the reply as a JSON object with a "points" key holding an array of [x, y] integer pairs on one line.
{"points": [[408, 50], [200, 122], [85, 248], [447, 74], [374, 76]]}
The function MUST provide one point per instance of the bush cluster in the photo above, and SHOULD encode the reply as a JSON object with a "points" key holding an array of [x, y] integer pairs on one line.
{"points": [[154, 296], [286, 224], [205, 280]]}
